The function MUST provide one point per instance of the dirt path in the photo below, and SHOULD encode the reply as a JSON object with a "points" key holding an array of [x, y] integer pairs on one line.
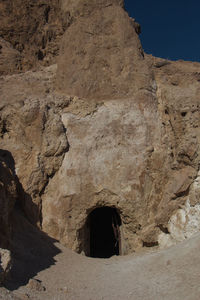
{"points": [[168, 274]]}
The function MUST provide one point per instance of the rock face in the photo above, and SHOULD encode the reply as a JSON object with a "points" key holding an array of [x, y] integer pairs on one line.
{"points": [[10, 59], [32, 130], [33, 29], [110, 127], [101, 55], [105, 166], [139, 155]]}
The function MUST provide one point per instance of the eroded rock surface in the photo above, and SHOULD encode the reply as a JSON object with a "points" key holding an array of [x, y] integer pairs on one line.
{"points": [[101, 56], [10, 58], [33, 132], [110, 127], [33, 29], [105, 166]]}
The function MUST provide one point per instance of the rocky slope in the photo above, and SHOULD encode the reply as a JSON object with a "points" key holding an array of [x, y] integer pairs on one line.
{"points": [[106, 126]]}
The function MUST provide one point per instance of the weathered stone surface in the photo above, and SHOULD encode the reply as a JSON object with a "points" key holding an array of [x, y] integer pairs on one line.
{"points": [[101, 55], [35, 285], [85, 8], [10, 59], [32, 130], [105, 166], [111, 127], [142, 163], [132, 122], [7, 295], [183, 224], [34, 29]]}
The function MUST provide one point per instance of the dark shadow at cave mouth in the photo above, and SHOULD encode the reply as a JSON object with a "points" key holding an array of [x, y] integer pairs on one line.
{"points": [[104, 223]]}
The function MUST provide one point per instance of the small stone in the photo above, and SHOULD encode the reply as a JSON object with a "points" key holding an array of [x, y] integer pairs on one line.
{"points": [[5, 263], [64, 289], [35, 284]]}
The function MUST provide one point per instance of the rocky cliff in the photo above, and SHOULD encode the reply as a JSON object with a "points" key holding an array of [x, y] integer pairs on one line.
{"points": [[107, 126], [101, 56]]}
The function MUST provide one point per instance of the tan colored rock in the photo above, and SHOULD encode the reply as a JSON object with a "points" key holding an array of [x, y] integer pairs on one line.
{"points": [[34, 29], [33, 132], [183, 224], [35, 285], [84, 7], [121, 130], [10, 59], [7, 295], [158, 183], [5, 264], [101, 56], [177, 188], [104, 167]]}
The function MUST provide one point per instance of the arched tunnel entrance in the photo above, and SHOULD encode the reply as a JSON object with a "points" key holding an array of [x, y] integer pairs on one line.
{"points": [[103, 226]]}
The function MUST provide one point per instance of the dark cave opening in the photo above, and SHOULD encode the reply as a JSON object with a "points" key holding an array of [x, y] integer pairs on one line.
{"points": [[104, 226]]}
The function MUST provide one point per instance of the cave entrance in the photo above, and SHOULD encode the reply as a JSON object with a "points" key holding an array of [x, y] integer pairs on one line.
{"points": [[104, 232]]}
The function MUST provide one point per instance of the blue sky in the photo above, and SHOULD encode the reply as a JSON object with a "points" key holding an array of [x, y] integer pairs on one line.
{"points": [[170, 29]]}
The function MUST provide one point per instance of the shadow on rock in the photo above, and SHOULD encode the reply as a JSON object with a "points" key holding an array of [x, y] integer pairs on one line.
{"points": [[24, 200], [32, 250]]}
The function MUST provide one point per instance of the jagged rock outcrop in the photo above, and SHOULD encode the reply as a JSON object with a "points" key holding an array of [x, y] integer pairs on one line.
{"points": [[178, 98], [32, 30], [101, 55], [33, 132]]}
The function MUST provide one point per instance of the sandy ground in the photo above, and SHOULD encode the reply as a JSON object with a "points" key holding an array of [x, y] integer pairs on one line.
{"points": [[171, 274]]}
